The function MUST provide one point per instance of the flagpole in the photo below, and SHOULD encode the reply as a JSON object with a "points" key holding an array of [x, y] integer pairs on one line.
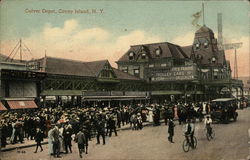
{"points": [[203, 14]]}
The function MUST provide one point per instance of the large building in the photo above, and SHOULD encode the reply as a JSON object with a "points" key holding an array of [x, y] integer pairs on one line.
{"points": [[196, 72], [158, 71], [63, 80]]}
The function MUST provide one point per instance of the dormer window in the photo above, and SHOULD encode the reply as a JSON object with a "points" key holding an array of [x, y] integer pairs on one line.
{"points": [[213, 59], [131, 55], [206, 44], [158, 52], [143, 56], [197, 45]]}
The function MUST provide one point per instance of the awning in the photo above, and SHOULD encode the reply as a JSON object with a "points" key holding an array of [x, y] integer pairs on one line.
{"points": [[61, 93], [2, 107], [169, 92], [110, 98], [22, 104]]}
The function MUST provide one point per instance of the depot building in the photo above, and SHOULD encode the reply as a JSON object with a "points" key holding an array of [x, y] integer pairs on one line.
{"points": [[155, 72], [197, 72]]}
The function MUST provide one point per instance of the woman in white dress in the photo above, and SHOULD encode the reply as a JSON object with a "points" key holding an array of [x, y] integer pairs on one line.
{"points": [[62, 146], [50, 139]]}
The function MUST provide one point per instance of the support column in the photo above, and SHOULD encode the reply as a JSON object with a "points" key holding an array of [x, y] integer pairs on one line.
{"points": [[195, 93], [109, 103], [237, 92], [242, 92], [185, 92], [44, 101], [230, 89]]}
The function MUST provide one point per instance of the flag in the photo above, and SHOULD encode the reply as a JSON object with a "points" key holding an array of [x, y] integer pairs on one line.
{"points": [[196, 16]]}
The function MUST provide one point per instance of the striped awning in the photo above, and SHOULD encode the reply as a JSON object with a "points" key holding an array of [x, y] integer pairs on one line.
{"points": [[22, 104], [2, 107]]}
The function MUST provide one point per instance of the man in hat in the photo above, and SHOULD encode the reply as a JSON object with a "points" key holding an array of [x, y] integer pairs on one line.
{"points": [[171, 126], [189, 131], [80, 139], [208, 123], [112, 126], [67, 133], [56, 142], [100, 130]]}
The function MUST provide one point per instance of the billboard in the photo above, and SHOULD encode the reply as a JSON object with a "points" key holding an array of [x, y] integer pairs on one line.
{"points": [[174, 73]]}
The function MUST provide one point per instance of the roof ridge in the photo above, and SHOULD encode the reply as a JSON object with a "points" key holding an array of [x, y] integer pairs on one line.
{"points": [[152, 44], [64, 59], [97, 61]]}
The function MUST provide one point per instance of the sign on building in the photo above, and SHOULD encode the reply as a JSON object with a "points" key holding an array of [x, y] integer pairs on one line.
{"points": [[174, 74]]}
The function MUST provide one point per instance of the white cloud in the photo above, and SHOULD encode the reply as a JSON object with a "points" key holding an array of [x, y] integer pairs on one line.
{"points": [[73, 42], [89, 44]]}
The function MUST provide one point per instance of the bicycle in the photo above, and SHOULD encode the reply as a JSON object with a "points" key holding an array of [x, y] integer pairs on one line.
{"points": [[210, 134], [186, 145]]}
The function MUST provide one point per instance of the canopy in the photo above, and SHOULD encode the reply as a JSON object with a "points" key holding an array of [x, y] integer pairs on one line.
{"points": [[2, 107], [22, 104]]}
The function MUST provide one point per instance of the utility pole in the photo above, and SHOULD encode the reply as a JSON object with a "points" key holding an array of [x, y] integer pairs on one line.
{"points": [[235, 65], [20, 47], [203, 16]]}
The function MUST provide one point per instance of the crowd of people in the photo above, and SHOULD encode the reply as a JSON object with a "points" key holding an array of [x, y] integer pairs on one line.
{"points": [[80, 124], [60, 125]]}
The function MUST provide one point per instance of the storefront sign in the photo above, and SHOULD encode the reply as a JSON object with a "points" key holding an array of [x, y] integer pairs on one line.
{"points": [[174, 73]]}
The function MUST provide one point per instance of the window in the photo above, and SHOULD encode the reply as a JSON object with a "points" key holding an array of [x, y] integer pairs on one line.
{"points": [[143, 56], [163, 65], [213, 59], [197, 45], [124, 69], [215, 75], [158, 52], [131, 55], [136, 72], [105, 73], [151, 66], [206, 44]]}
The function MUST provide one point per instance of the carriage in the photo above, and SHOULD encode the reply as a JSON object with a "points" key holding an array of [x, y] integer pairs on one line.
{"points": [[224, 109]]}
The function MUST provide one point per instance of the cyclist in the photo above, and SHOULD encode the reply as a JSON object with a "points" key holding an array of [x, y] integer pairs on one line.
{"points": [[208, 122], [189, 131]]}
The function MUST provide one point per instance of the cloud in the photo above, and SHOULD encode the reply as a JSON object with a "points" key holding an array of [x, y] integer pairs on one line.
{"points": [[72, 41], [87, 44]]}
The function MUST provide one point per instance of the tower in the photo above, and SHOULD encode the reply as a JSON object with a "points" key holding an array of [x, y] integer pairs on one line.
{"points": [[205, 50]]}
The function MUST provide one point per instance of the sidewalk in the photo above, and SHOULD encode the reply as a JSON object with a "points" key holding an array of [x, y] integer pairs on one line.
{"points": [[32, 143]]}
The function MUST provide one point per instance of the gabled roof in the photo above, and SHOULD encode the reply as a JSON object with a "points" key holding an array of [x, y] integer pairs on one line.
{"points": [[124, 76], [72, 67], [168, 50], [187, 50]]}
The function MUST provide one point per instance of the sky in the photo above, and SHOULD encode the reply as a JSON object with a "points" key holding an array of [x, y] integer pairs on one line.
{"points": [[105, 29]]}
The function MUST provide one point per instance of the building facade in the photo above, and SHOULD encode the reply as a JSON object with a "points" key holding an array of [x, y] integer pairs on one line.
{"points": [[196, 72]]}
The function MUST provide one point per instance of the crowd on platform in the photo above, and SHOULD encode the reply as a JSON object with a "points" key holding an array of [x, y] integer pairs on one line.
{"points": [[81, 124]]}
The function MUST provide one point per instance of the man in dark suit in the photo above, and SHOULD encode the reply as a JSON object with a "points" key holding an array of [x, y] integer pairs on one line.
{"points": [[112, 126], [171, 126], [100, 130]]}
